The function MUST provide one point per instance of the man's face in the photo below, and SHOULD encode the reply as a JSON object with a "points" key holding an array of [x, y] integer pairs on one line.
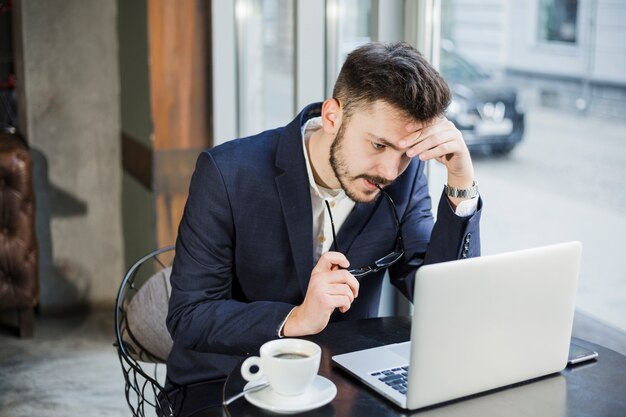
{"points": [[365, 152]]}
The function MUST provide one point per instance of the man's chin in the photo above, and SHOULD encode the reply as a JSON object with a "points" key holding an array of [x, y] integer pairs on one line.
{"points": [[363, 197]]}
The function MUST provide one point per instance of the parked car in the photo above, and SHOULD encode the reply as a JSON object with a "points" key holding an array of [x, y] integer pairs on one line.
{"points": [[488, 112]]}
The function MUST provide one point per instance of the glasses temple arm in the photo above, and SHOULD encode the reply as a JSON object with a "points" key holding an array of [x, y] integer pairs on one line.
{"points": [[332, 225]]}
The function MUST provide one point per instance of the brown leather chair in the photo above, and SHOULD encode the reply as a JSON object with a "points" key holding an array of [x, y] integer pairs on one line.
{"points": [[19, 284]]}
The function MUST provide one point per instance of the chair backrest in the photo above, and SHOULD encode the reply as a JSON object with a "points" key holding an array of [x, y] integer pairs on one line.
{"points": [[143, 328], [140, 330]]}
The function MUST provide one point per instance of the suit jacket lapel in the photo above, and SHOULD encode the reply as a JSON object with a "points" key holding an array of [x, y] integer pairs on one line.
{"points": [[294, 194]]}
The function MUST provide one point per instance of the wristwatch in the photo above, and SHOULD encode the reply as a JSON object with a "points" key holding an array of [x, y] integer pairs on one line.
{"points": [[461, 192]]}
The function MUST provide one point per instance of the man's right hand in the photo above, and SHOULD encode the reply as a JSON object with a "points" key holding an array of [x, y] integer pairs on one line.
{"points": [[331, 286]]}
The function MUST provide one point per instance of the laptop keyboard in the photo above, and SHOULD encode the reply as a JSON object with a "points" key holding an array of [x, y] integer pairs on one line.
{"points": [[396, 378]]}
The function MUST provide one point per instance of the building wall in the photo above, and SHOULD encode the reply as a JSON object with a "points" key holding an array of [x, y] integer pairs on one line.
{"points": [[609, 57], [69, 107], [589, 76], [503, 36], [526, 53], [478, 29], [600, 51]]}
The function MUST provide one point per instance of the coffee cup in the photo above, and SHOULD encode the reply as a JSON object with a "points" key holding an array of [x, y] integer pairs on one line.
{"points": [[289, 365]]}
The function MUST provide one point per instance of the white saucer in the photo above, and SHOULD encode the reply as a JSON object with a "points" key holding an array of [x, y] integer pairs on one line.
{"points": [[321, 392]]}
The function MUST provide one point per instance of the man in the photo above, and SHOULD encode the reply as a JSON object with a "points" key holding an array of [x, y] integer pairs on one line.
{"points": [[256, 258]]}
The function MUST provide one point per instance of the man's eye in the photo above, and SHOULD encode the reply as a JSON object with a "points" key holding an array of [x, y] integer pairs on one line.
{"points": [[378, 146]]}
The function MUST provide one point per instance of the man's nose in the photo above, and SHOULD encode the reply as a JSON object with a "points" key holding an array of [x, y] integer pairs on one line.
{"points": [[389, 167]]}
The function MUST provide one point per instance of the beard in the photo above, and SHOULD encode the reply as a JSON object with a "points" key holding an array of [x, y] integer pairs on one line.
{"points": [[342, 173]]}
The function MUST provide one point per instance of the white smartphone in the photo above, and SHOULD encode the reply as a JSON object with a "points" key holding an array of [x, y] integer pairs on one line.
{"points": [[579, 354]]}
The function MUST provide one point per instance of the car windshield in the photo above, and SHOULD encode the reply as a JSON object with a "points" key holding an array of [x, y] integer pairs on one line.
{"points": [[456, 69]]}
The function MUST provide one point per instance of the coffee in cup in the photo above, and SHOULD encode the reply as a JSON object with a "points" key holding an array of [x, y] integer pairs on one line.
{"points": [[290, 356], [290, 365]]}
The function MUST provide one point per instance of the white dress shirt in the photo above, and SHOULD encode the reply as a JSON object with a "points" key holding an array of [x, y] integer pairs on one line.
{"points": [[340, 204]]}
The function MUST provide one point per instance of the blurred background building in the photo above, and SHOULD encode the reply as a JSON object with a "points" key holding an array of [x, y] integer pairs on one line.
{"points": [[567, 54]]}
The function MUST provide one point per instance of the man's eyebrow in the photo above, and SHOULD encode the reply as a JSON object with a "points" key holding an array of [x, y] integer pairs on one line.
{"points": [[385, 142]]}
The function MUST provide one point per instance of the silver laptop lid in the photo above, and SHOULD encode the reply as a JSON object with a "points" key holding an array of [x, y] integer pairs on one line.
{"points": [[487, 322]]}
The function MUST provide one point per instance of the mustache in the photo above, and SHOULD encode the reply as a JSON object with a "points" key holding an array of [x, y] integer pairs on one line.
{"points": [[383, 182]]}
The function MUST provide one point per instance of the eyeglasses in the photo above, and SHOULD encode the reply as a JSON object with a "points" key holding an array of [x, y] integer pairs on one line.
{"points": [[387, 260]]}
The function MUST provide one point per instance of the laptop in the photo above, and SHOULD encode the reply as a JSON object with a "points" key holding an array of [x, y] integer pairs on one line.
{"points": [[478, 324]]}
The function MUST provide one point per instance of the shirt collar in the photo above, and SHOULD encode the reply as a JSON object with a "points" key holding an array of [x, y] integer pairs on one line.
{"points": [[324, 193]]}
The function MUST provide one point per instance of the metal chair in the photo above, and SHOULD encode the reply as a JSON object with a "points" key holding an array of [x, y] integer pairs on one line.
{"points": [[141, 333]]}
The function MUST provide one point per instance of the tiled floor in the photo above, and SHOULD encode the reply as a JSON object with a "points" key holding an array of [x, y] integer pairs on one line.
{"points": [[71, 369]]}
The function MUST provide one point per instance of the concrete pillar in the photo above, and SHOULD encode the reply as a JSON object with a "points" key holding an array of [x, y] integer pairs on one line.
{"points": [[69, 110]]}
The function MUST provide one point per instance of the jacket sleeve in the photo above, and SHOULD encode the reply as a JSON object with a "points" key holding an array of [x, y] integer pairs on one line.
{"points": [[452, 237], [203, 315]]}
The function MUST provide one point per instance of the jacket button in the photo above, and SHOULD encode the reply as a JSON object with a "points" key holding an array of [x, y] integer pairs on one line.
{"points": [[468, 237]]}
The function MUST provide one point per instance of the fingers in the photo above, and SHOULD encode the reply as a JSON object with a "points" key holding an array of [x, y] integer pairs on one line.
{"points": [[442, 133], [340, 297], [329, 260], [327, 269], [331, 287], [341, 290], [331, 280], [436, 146], [346, 303]]}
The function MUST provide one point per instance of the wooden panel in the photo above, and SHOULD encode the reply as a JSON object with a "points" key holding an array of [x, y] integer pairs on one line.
{"points": [[180, 73], [173, 169], [180, 84], [170, 209]]}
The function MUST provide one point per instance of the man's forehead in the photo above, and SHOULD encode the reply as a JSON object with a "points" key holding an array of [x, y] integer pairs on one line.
{"points": [[401, 134], [382, 109]]}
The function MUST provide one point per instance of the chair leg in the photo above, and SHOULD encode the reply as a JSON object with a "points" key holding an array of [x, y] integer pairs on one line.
{"points": [[26, 318]]}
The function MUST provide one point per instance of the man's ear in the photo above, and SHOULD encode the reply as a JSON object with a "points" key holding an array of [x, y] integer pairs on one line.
{"points": [[331, 116]]}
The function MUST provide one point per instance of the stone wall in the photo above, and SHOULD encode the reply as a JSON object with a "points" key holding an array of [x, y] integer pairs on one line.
{"points": [[69, 113]]}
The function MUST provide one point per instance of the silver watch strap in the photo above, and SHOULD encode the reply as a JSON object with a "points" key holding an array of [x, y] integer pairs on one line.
{"points": [[461, 192]]}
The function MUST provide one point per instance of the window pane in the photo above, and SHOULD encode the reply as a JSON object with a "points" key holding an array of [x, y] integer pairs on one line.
{"points": [[265, 66], [546, 131], [558, 20], [349, 26], [354, 28]]}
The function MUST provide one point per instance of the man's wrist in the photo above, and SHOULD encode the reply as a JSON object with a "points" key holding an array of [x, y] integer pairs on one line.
{"points": [[465, 193], [281, 328]]}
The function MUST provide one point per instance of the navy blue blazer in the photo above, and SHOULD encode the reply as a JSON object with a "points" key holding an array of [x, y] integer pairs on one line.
{"points": [[244, 251]]}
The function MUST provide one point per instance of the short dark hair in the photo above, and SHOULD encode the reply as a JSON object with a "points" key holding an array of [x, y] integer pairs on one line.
{"points": [[395, 73]]}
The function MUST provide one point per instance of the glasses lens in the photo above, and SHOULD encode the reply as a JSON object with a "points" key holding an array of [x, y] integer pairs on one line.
{"points": [[389, 260], [384, 262], [359, 272]]}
